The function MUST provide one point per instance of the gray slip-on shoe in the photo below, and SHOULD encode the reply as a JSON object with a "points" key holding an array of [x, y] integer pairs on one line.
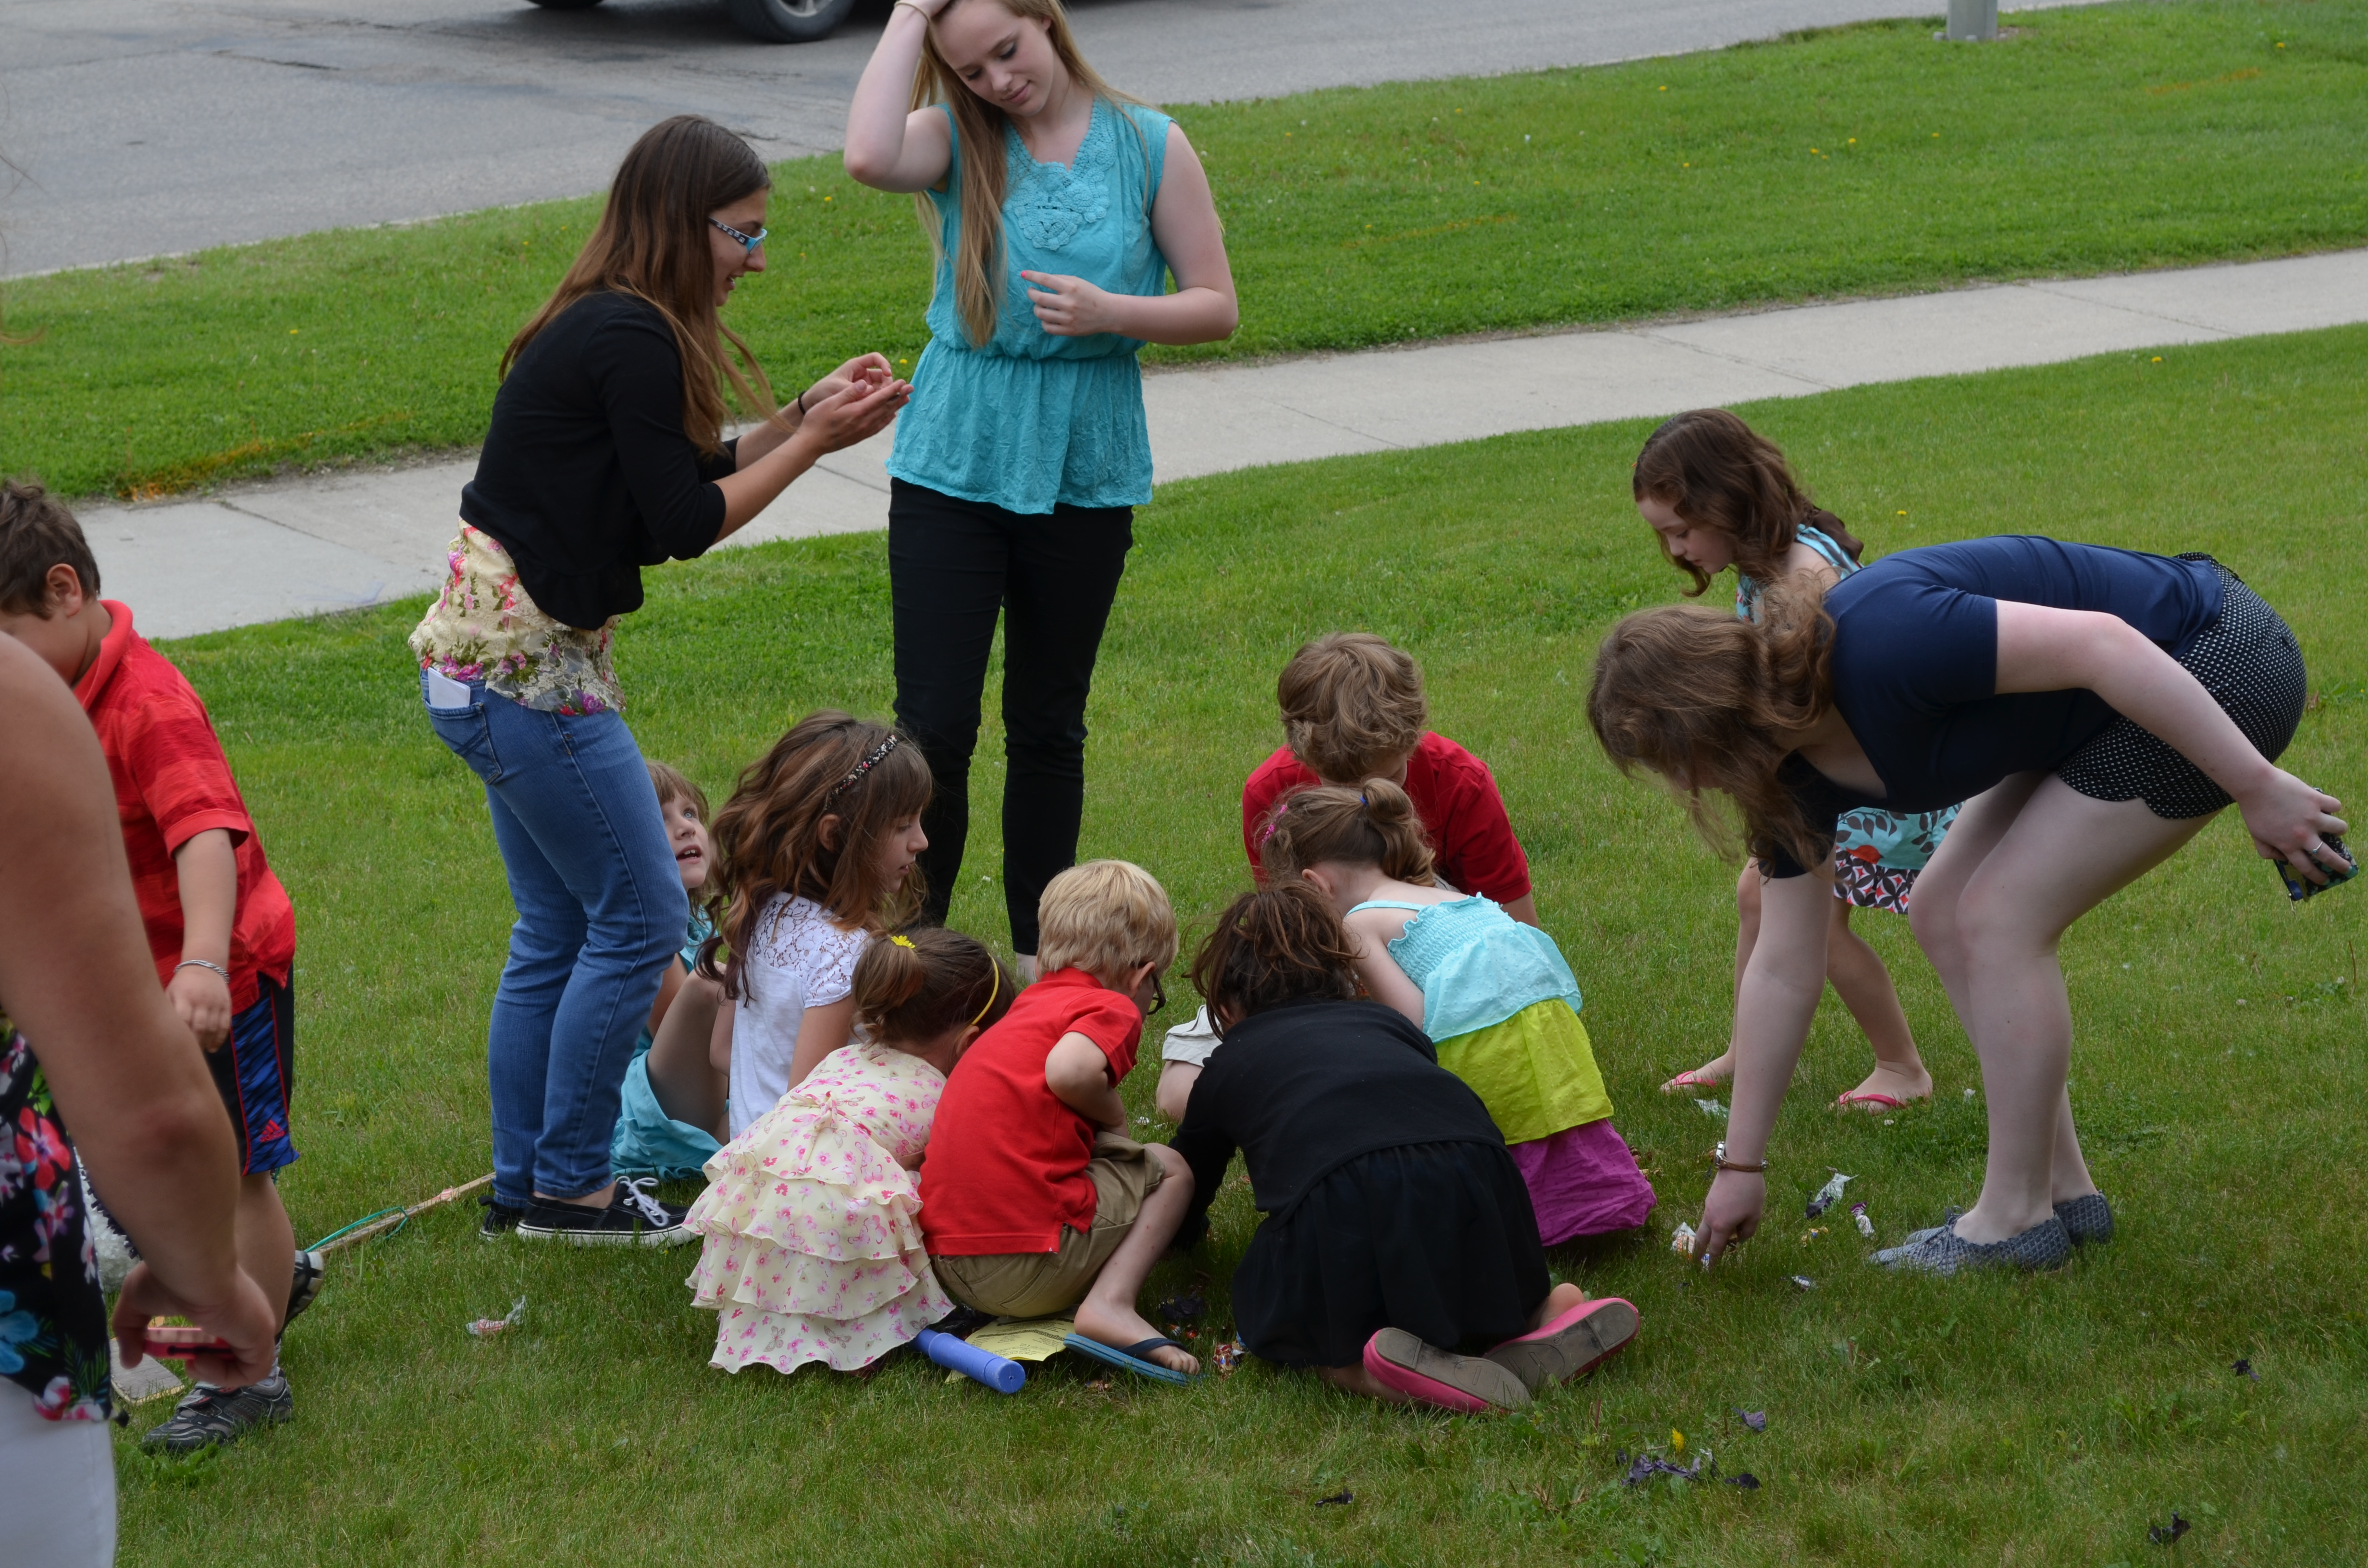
{"points": [[1944, 1252], [2087, 1220]]}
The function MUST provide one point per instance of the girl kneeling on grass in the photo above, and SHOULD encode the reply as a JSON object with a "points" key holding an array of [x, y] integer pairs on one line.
{"points": [[819, 844], [814, 1251], [1494, 995], [1397, 1226], [1719, 495]]}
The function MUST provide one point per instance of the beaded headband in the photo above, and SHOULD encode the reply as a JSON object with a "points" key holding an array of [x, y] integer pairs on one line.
{"points": [[866, 765]]}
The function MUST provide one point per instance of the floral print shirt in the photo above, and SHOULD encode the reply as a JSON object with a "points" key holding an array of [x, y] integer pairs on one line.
{"points": [[483, 627], [53, 1314]]}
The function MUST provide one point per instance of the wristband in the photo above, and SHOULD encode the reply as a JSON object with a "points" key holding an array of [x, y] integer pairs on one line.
{"points": [[1719, 1162], [202, 964], [801, 405]]}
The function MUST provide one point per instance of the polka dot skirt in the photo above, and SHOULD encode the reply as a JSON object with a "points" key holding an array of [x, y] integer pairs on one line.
{"points": [[2250, 664]]}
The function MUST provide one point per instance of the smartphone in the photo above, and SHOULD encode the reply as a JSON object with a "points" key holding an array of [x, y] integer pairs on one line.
{"points": [[180, 1344], [2298, 889]]}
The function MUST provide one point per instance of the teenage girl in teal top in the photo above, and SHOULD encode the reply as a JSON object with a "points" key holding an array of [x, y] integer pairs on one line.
{"points": [[1058, 208]]}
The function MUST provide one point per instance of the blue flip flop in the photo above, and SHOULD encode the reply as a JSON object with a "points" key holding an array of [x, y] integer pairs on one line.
{"points": [[1134, 1358]]}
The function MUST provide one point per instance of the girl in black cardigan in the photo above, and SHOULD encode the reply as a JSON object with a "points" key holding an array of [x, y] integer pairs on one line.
{"points": [[1397, 1226]]}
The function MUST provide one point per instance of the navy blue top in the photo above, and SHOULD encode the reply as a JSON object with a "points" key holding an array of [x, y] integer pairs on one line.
{"points": [[1914, 665]]}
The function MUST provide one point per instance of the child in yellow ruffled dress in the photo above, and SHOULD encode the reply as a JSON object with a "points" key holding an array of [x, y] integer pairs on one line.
{"points": [[812, 1247]]}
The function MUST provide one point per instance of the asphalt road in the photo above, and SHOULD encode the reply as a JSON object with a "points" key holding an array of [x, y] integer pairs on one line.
{"points": [[145, 126]]}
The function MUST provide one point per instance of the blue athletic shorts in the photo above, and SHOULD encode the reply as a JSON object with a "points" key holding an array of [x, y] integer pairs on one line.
{"points": [[255, 1072]]}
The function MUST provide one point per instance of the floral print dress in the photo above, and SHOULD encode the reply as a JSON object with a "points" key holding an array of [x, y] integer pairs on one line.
{"points": [[483, 627], [53, 1314], [813, 1248]]}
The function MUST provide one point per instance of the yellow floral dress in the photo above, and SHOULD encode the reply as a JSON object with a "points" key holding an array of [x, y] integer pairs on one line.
{"points": [[813, 1249]]}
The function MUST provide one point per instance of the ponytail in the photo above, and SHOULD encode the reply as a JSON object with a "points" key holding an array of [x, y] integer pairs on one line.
{"points": [[1373, 825], [911, 988]]}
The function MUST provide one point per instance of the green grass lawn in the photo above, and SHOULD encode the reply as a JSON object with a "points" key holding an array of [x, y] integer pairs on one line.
{"points": [[1991, 1419], [1865, 159]]}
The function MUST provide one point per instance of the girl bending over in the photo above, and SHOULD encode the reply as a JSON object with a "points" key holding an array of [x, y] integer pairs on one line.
{"points": [[1494, 993], [819, 845], [1398, 1228], [814, 1251], [1719, 495]]}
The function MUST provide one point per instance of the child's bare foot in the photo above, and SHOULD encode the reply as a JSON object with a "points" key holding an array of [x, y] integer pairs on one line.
{"points": [[1559, 1300], [1122, 1331], [1710, 1075], [1888, 1087]]}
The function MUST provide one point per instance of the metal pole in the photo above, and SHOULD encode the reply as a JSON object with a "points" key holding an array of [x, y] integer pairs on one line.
{"points": [[1972, 22]]}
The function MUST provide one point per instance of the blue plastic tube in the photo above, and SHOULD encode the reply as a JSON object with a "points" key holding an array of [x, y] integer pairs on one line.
{"points": [[958, 1355]]}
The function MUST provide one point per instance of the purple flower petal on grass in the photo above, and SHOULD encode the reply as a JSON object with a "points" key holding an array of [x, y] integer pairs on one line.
{"points": [[1755, 1419]]}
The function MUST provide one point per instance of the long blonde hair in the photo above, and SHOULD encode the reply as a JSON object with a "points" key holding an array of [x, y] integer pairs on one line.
{"points": [[1703, 698], [979, 128], [652, 243]]}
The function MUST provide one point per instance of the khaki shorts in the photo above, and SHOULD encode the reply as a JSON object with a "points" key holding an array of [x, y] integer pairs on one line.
{"points": [[1039, 1284]]}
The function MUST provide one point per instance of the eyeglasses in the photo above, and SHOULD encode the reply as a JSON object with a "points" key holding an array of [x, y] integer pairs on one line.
{"points": [[747, 242], [1158, 997]]}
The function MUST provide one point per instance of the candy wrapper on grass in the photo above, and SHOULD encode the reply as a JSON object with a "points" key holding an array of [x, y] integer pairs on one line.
{"points": [[1681, 1241], [1865, 1225], [486, 1328], [1227, 1358], [1828, 1195]]}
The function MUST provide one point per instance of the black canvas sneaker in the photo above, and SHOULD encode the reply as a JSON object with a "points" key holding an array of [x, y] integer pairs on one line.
{"points": [[500, 1219], [632, 1217]]}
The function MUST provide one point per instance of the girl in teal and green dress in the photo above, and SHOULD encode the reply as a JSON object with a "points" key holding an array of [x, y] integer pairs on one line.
{"points": [[1719, 495], [1495, 995], [1058, 208]]}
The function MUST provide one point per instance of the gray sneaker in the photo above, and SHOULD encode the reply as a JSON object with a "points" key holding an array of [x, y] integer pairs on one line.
{"points": [[207, 1416], [2087, 1220], [1944, 1252]]}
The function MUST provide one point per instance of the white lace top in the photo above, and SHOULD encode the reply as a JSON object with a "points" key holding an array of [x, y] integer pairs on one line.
{"points": [[799, 959]]}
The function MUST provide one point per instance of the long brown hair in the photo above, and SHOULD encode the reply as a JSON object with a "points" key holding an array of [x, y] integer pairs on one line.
{"points": [[1701, 697], [1372, 824], [1717, 473], [911, 989], [1279, 943], [980, 128], [652, 243], [807, 819]]}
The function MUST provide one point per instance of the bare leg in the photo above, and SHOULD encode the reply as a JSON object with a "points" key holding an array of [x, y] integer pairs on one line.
{"points": [[1175, 1091], [267, 1242], [1354, 1379], [682, 1073], [1858, 978], [1108, 1313], [1559, 1300], [1990, 912], [1720, 1069]]}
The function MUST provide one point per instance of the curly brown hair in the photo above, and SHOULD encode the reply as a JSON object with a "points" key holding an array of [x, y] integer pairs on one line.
{"points": [[1352, 706], [1373, 825], [1279, 943], [807, 819], [1704, 699], [911, 989], [1719, 473]]}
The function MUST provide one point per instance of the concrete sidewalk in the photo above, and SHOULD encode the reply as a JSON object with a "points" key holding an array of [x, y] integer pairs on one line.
{"points": [[355, 536]]}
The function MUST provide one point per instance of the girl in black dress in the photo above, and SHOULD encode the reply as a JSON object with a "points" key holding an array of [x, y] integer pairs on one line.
{"points": [[1397, 1225]]}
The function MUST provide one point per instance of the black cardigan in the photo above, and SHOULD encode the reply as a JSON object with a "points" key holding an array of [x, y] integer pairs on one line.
{"points": [[1305, 1088], [587, 475]]}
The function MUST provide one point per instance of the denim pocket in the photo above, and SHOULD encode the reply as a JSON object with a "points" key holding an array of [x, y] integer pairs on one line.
{"points": [[466, 732]]}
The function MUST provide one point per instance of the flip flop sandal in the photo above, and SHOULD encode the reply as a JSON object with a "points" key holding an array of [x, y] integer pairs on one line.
{"points": [[1135, 1357], [1871, 1100], [1570, 1347], [1428, 1375], [1692, 1078]]}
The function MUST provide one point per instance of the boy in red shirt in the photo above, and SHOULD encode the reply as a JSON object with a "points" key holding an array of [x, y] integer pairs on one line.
{"points": [[220, 925], [1031, 1203], [1353, 710]]}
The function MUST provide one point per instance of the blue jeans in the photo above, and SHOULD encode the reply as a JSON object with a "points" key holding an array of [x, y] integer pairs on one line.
{"points": [[600, 911]]}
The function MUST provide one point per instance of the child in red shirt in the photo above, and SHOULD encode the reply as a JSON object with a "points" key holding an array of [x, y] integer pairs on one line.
{"points": [[1031, 1203], [221, 927], [1353, 710]]}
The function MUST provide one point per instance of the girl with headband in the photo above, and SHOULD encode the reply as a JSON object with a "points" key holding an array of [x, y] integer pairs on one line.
{"points": [[814, 1248]]}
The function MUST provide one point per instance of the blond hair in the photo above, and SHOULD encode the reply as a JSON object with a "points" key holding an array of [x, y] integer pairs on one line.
{"points": [[1352, 706], [979, 130], [1105, 917]]}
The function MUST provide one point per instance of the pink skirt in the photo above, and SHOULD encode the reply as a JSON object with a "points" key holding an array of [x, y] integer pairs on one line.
{"points": [[1582, 1181]]}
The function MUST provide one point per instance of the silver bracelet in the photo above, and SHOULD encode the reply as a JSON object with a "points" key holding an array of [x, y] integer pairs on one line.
{"points": [[202, 964]]}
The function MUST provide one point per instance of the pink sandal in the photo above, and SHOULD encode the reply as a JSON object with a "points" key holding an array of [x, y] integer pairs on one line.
{"points": [[1572, 1345], [1692, 1078], [1428, 1375]]}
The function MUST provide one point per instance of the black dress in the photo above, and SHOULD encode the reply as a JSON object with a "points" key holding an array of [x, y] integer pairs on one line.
{"points": [[1391, 1202]]}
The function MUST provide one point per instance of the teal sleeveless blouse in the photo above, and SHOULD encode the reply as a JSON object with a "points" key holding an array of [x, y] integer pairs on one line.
{"points": [[1031, 421]]}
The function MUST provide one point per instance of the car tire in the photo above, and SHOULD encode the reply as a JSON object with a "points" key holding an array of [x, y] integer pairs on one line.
{"points": [[567, 4], [789, 21]]}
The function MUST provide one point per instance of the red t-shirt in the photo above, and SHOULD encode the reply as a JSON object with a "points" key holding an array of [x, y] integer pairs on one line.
{"points": [[1462, 815], [172, 783], [1005, 1166]]}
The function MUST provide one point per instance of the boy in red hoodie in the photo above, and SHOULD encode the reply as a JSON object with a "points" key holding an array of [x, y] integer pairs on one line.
{"points": [[220, 925]]}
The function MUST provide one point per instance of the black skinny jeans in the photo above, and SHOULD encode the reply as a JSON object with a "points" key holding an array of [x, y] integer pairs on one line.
{"points": [[953, 566]]}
